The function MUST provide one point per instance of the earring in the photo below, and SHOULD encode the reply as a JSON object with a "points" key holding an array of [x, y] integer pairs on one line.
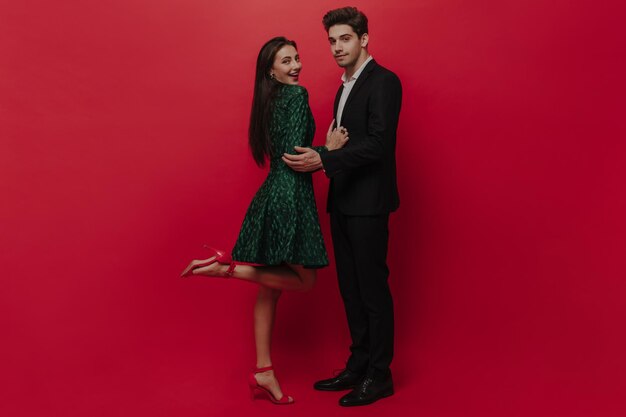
{"points": [[272, 77]]}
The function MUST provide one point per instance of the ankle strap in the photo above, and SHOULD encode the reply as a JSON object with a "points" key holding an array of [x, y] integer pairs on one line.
{"points": [[267, 368]]}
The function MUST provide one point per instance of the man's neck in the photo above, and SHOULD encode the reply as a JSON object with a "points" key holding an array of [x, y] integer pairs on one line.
{"points": [[352, 69]]}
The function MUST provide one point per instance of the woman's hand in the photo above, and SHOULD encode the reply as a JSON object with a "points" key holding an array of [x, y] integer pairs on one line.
{"points": [[336, 138]]}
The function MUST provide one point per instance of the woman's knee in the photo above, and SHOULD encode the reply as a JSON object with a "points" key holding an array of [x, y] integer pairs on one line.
{"points": [[308, 281], [271, 293], [306, 276]]}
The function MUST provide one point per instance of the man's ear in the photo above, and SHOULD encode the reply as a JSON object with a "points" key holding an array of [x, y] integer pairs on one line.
{"points": [[365, 38]]}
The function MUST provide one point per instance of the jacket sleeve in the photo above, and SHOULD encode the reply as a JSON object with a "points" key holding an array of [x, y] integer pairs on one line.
{"points": [[383, 110], [319, 149]]}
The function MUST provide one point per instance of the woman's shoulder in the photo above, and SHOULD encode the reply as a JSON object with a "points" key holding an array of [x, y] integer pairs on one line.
{"points": [[289, 91]]}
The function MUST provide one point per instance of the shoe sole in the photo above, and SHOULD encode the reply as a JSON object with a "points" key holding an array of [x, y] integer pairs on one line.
{"points": [[335, 389], [386, 394]]}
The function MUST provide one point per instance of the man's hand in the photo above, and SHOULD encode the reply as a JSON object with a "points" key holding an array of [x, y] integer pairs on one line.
{"points": [[307, 160]]}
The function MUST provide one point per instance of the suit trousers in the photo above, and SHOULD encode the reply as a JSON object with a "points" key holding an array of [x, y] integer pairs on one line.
{"points": [[360, 244]]}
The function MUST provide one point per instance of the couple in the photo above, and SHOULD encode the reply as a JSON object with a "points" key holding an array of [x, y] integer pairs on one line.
{"points": [[280, 245]]}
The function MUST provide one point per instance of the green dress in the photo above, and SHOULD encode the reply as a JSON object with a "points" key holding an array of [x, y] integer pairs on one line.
{"points": [[282, 224]]}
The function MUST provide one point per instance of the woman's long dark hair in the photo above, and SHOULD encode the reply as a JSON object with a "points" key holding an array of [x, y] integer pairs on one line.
{"points": [[265, 89]]}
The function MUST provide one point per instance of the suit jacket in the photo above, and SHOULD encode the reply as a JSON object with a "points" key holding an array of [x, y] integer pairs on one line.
{"points": [[363, 173]]}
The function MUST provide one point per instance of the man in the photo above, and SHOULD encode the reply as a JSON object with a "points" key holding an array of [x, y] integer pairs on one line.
{"points": [[362, 193]]}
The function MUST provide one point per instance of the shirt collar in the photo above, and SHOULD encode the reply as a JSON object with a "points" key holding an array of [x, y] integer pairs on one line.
{"points": [[357, 72]]}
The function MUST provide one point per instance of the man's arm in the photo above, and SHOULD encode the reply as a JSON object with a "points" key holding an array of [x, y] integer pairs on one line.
{"points": [[308, 159]]}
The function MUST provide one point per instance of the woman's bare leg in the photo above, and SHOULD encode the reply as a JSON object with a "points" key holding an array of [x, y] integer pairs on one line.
{"points": [[271, 280], [264, 316], [288, 277]]}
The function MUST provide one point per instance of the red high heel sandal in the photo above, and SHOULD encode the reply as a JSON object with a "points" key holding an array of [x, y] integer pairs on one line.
{"points": [[254, 386], [218, 256]]}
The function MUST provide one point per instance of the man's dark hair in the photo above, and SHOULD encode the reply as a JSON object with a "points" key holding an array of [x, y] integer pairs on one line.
{"points": [[346, 16]]}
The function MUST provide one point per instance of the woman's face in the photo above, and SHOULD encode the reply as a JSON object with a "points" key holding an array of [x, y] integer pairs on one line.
{"points": [[287, 66]]}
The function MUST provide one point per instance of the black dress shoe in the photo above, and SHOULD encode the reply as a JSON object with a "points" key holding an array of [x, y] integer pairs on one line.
{"points": [[370, 390], [344, 380]]}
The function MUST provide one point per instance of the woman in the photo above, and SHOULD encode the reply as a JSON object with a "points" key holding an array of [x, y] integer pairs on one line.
{"points": [[280, 245]]}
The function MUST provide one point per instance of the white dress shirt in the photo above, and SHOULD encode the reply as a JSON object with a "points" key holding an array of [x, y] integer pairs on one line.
{"points": [[347, 87]]}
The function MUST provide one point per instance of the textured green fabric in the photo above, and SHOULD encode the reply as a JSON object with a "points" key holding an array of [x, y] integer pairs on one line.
{"points": [[282, 224]]}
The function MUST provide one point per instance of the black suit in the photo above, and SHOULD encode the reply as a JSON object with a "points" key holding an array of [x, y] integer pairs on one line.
{"points": [[362, 193]]}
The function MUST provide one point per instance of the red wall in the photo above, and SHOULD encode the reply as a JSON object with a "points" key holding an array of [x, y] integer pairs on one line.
{"points": [[123, 149]]}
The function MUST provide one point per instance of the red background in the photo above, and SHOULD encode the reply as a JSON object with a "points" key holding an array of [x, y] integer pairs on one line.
{"points": [[123, 149]]}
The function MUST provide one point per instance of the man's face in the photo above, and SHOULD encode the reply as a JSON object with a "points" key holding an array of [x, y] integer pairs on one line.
{"points": [[345, 45]]}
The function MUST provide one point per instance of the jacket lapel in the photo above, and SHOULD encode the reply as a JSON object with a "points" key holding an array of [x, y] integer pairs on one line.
{"points": [[337, 98], [359, 82]]}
